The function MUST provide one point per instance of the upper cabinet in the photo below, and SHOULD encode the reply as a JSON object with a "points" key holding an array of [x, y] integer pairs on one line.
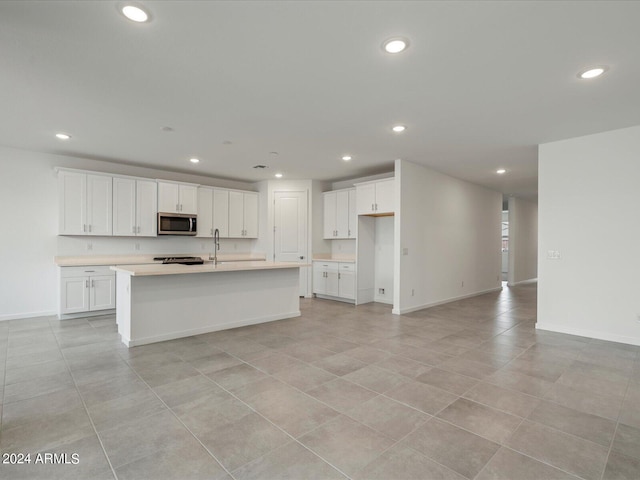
{"points": [[339, 214], [376, 198], [135, 207], [213, 211], [85, 203], [174, 197], [243, 214]]}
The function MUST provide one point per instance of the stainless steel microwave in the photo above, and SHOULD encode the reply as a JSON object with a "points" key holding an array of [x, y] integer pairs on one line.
{"points": [[177, 224]]}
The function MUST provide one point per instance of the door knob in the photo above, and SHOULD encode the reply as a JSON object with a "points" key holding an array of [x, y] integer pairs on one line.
{"points": [[301, 257]]}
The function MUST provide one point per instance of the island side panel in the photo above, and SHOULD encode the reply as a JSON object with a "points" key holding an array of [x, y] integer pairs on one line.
{"points": [[123, 306], [164, 307]]}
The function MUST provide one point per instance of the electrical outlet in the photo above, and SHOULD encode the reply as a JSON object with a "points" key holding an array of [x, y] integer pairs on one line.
{"points": [[405, 251], [553, 255], [413, 292], [89, 246], [137, 246], [381, 291], [462, 283]]}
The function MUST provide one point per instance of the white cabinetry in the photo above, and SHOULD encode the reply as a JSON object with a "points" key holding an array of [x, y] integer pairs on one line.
{"points": [[135, 207], [174, 197], [376, 198], [243, 214], [84, 203], [334, 279], [339, 214], [213, 211], [86, 289]]}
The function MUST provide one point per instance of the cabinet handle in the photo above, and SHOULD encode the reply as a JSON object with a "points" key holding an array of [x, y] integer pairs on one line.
{"points": [[349, 232], [84, 228], [86, 283], [372, 209], [376, 207], [177, 207], [92, 284], [338, 275]]}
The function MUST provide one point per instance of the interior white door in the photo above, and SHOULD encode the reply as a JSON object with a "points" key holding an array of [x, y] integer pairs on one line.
{"points": [[290, 232]]}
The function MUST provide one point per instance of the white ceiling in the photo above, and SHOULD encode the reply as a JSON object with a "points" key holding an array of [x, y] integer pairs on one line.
{"points": [[482, 84]]}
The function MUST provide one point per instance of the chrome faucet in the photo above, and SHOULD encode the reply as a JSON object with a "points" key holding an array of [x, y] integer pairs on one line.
{"points": [[216, 247]]}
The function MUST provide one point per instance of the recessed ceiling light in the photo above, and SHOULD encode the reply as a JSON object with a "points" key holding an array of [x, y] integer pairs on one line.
{"points": [[395, 45], [278, 175], [346, 158], [500, 171], [592, 72], [63, 136], [135, 13], [399, 128], [194, 160]]}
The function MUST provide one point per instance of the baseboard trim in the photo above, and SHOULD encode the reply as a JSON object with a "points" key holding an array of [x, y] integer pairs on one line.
{"points": [[402, 311], [337, 299], [207, 329], [20, 316], [523, 282], [97, 313], [609, 337]]}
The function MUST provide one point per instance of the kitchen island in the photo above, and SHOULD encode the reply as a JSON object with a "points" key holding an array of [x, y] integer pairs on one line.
{"points": [[162, 302]]}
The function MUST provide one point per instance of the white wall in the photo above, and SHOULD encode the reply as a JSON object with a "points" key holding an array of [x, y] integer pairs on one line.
{"points": [[28, 236], [383, 259], [523, 241], [589, 189], [452, 232]]}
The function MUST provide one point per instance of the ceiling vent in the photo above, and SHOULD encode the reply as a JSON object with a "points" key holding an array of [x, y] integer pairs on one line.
{"points": [[260, 166]]}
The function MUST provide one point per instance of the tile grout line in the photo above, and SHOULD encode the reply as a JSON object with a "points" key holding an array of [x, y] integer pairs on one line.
{"points": [[615, 431], [177, 418], [84, 405]]}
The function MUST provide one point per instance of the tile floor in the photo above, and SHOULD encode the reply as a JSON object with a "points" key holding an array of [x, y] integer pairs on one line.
{"points": [[463, 390]]}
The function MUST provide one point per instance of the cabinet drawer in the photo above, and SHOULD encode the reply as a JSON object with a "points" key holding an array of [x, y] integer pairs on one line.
{"points": [[347, 267], [89, 271], [330, 266]]}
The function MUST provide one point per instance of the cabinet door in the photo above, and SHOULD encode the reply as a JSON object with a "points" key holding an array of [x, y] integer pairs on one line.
{"points": [[102, 292], [168, 197], [353, 215], [251, 215], [188, 199], [221, 212], [147, 208], [72, 202], [342, 214], [124, 207], [74, 295], [330, 202], [205, 212], [385, 191], [319, 280], [236, 214], [99, 205], [347, 284], [365, 199], [333, 284]]}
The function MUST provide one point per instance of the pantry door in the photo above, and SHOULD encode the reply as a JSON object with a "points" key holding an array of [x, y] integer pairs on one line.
{"points": [[290, 232]]}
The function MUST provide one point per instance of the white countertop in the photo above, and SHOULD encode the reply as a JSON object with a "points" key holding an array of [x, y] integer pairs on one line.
{"points": [[334, 259], [177, 269], [87, 260]]}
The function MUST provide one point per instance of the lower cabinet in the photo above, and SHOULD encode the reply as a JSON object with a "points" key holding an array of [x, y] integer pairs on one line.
{"points": [[334, 279], [86, 289]]}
